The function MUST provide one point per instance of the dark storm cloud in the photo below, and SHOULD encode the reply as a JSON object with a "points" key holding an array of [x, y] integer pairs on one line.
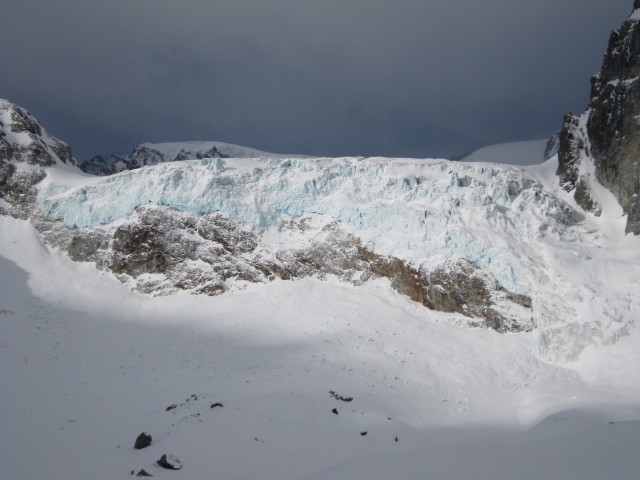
{"points": [[402, 77]]}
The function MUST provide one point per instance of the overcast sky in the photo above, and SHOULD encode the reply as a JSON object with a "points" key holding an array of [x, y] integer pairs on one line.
{"points": [[416, 78]]}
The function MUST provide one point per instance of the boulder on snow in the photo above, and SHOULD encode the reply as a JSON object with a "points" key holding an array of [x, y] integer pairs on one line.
{"points": [[169, 462], [143, 441]]}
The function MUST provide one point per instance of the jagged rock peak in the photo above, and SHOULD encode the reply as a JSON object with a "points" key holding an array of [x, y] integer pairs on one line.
{"points": [[604, 143], [143, 155], [23, 139]]}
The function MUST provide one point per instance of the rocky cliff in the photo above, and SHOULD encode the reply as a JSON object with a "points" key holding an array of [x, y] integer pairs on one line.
{"points": [[24, 142], [603, 144], [23, 139]]}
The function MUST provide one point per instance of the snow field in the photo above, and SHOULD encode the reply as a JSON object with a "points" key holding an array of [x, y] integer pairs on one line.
{"points": [[86, 365]]}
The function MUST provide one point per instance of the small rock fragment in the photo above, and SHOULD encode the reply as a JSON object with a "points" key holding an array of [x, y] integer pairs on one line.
{"points": [[363, 433], [143, 473], [217, 404], [171, 407], [335, 410], [169, 462], [340, 397], [143, 441]]}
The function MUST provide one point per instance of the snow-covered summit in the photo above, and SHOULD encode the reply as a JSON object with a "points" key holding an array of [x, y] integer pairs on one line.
{"points": [[155, 153], [23, 139]]}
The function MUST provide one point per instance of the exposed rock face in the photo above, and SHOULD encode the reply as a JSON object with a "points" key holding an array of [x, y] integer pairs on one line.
{"points": [[553, 144], [607, 136], [160, 250], [18, 189], [22, 139], [614, 119], [573, 155], [142, 156]]}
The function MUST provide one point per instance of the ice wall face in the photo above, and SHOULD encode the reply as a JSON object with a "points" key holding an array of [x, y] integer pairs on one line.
{"points": [[424, 211], [604, 143]]}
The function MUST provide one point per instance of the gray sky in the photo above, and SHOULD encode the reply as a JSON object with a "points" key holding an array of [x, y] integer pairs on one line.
{"points": [[325, 77]]}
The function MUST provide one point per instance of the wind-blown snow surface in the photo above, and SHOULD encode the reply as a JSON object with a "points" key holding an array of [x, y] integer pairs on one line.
{"points": [[582, 272], [86, 365], [529, 152]]}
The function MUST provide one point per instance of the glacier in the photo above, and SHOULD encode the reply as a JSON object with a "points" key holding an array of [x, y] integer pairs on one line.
{"points": [[514, 222], [423, 211]]}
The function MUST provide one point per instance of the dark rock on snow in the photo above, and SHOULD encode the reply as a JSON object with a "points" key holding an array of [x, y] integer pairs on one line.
{"points": [[143, 441], [169, 462], [340, 397], [143, 473]]}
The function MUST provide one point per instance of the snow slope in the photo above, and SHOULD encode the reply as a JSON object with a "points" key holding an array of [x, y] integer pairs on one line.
{"points": [[529, 152], [86, 365]]}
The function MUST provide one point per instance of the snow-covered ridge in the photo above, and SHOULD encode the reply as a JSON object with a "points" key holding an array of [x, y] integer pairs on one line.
{"points": [[23, 139]]}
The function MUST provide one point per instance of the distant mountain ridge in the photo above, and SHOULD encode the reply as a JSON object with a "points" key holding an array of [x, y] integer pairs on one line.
{"points": [[154, 153]]}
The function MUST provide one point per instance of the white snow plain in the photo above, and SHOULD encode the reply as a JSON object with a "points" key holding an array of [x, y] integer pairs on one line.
{"points": [[86, 365]]}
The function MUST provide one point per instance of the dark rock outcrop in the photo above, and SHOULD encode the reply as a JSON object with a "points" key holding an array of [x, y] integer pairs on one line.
{"points": [[143, 441], [23, 139], [572, 152], [608, 134], [18, 189]]}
